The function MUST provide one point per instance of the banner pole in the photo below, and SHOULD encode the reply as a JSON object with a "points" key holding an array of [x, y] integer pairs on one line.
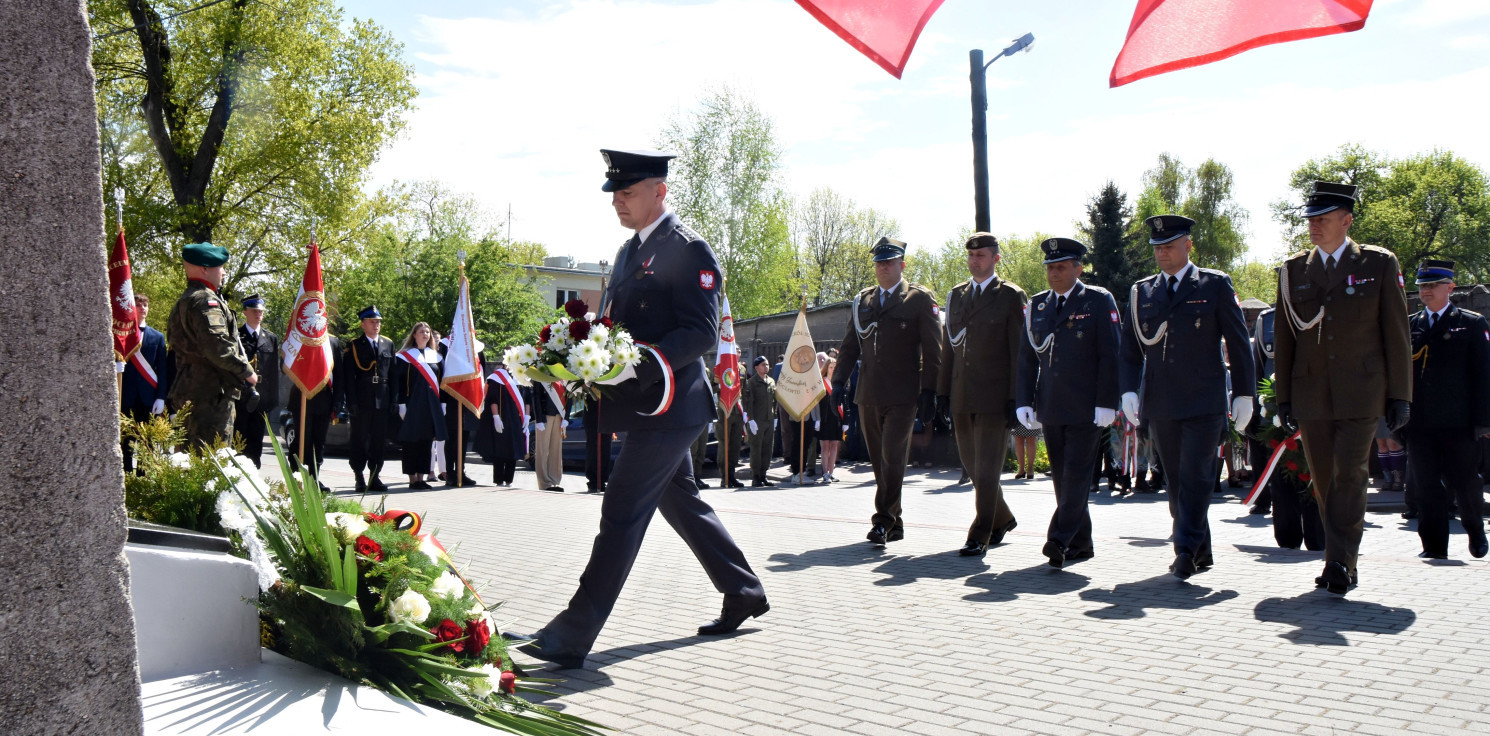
{"points": [[460, 444], [802, 451], [601, 455], [301, 453], [724, 450]]}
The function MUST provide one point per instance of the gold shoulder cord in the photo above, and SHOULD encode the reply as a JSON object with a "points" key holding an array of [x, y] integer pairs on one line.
{"points": [[372, 367], [1160, 334]]}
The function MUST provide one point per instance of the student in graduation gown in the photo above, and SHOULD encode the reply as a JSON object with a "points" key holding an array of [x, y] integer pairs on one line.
{"points": [[416, 388]]}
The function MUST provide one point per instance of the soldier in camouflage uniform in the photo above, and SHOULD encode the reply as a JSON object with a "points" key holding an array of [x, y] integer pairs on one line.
{"points": [[211, 368]]}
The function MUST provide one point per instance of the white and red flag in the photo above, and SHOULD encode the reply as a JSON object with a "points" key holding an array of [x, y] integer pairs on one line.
{"points": [[126, 321], [1166, 35], [884, 31], [463, 379], [307, 347], [727, 363]]}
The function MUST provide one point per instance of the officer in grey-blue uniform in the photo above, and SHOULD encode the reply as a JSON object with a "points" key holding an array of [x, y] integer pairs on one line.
{"points": [[1174, 378], [1068, 382], [665, 291]]}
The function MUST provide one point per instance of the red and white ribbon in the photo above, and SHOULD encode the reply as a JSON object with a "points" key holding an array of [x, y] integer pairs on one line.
{"points": [[143, 366], [667, 381], [1267, 470], [416, 358]]}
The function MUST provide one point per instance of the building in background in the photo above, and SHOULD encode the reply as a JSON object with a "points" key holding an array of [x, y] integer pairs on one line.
{"points": [[560, 279]]}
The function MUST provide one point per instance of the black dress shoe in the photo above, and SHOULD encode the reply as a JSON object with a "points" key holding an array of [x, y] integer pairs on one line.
{"points": [[1335, 578], [534, 646], [998, 534], [361, 484], [757, 484], [1204, 562], [376, 485], [1479, 549], [973, 549], [555, 489], [1080, 554], [766, 482], [701, 485], [736, 484], [730, 619], [876, 535], [420, 485], [895, 534], [1184, 566], [1411, 514], [468, 481], [1429, 556], [1258, 510], [1055, 552]]}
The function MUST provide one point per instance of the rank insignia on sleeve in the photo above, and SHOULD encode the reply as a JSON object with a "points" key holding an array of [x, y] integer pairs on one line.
{"points": [[1114, 316], [706, 280]]}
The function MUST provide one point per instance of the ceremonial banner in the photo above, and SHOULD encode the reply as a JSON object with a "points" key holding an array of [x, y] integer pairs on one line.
{"points": [[463, 379], [307, 347], [883, 30], [800, 385], [1166, 35], [727, 363], [126, 321]]}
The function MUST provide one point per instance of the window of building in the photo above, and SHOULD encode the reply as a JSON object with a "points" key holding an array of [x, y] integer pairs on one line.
{"points": [[564, 295]]}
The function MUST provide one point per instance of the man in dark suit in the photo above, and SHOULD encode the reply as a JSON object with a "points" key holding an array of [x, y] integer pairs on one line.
{"points": [[896, 339], [1343, 360], [262, 348], [329, 402], [143, 395], [1174, 378], [367, 365], [1068, 382], [1295, 514], [980, 358], [1451, 383], [666, 292]]}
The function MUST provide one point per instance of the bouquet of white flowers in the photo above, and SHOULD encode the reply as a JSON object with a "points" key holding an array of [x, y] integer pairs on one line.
{"points": [[583, 352]]}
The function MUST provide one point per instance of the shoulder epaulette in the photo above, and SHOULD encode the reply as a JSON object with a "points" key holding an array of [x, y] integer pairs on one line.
{"points": [[1098, 289], [1472, 314], [924, 290]]}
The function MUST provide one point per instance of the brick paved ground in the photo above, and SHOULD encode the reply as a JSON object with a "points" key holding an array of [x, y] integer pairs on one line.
{"points": [[914, 639]]}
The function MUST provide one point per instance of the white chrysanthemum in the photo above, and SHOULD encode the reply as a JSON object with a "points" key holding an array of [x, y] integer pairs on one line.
{"points": [[483, 686], [522, 378], [348, 527], [527, 354], [556, 340], [233, 513], [447, 584], [599, 333], [628, 355], [586, 349], [410, 607]]}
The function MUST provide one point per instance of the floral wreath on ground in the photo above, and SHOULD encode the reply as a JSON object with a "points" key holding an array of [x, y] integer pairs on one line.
{"points": [[1270, 431], [580, 350]]}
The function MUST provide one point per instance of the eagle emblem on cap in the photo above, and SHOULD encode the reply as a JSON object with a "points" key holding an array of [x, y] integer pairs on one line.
{"points": [[1158, 225]]}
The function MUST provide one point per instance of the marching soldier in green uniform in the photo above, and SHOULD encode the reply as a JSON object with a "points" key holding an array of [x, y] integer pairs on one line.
{"points": [[211, 369], [896, 338], [1342, 354], [759, 395], [262, 348], [980, 360]]}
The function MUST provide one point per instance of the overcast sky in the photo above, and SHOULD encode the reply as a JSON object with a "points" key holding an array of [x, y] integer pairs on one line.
{"points": [[517, 97]]}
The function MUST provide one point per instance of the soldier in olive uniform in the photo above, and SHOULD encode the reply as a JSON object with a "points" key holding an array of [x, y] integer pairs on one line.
{"points": [[211, 368], [759, 395], [1343, 358], [1068, 382], [1451, 383], [368, 364], [896, 338], [985, 325], [1295, 514], [262, 348]]}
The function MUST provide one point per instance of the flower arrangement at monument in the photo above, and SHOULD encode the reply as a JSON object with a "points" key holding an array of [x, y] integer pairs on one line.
{"points": [[1291, 462], [580, 350], [367, 596]]}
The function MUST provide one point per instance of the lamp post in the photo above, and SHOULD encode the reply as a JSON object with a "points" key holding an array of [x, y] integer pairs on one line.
{"points": [[979, 79]]}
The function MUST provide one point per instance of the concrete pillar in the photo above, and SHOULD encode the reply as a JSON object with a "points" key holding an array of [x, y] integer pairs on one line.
{"points": [[67, 640]]}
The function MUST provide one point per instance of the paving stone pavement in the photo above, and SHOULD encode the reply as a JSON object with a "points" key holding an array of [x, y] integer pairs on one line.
{"points": [[915, 639]]}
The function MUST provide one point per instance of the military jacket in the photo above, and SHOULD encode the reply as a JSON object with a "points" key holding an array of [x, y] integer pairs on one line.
{"points": [[1068, 359], [203, 336], [1450, 371], [759, 397], [1182, 374], [262, 350], [980, 350], [1262, 344], [1356, 354], [898, 345], [368, 367]]}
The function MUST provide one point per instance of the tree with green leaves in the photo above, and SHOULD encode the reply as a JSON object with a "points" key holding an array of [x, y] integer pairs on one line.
{"points": [[1350, 164], [832, 238], [1118, 258], [1203, 194]]}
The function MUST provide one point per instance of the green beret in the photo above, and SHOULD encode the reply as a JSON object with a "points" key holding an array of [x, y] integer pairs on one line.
{"points": [[205, 255]]}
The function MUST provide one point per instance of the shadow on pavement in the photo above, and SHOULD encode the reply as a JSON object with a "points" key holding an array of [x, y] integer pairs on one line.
{"points": [[950, 488], [1042, 579], [1103, 498], [1322, 619], [1255, 521], [1280, 555], [939, 566], [848, 555], [1145, 542], [1129, 600]]}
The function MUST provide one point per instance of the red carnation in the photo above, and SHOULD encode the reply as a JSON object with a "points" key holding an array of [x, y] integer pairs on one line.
{"points": [[368, 548], [451, 633], [545, 333], [579, 329], [1291, 444], [576, 309], [1304, 477], [479, 634], [1292, 466], [606, 321], [509, 682]]}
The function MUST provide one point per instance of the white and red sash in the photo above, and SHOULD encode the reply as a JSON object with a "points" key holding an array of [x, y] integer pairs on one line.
{"points": [[415, 357], [504, 379], [143, 366], [554, 394], [829, 388]]}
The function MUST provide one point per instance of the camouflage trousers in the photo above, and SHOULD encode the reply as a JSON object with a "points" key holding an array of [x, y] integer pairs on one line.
{"points": [[208, 422]]}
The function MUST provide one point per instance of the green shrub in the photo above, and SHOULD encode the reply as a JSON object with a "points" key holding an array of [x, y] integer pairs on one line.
{"points": [[178, 489]]}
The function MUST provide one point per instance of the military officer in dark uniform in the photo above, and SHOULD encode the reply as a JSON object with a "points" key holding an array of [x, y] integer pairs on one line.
{"points": [[980, 359], [368, 364], [142, 396], [895, 337], [1451, 386], [1343, 356], [1174, 378], [1068, 382], [211, 369], [666, 292], [1295, 514], [759, 396], [262, 348]]}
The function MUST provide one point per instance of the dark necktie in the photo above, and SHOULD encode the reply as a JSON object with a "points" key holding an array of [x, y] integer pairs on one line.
{"points": [[1174, 285], [1060, 304], [1432, 319]]}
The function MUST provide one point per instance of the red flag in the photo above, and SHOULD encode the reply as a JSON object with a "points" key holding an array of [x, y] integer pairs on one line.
{"points": [[307, 348], [122, 302], [727, 363], [883, 30], [1166, 35], [463, 378]]}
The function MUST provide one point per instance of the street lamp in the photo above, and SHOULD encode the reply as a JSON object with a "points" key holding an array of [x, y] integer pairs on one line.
{"points": [[979, 80]]}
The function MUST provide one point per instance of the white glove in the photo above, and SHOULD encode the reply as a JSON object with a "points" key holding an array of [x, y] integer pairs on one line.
{"points": [[1104, 417], [542, 426], [753, 428], [1241, 411], [498, 421], [845, 429], [1026, 416], [1130, 407], [627, 373], [443, 408], [775, 423], [817, 424], [118, 367], [403, 410], [159, 407]]}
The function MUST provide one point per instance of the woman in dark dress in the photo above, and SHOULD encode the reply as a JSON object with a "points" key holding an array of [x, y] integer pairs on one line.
{"points": [[416, 382], [509, 420], [830, 422]]}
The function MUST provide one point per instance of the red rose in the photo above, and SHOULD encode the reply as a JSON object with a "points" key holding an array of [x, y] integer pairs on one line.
{"points": [[509, 682], [1292, 466], [606, 321], [1273, 444], [545, 333], [1304, 477], [576, 309], [368, 548], [479, 635], [451, 633], [1291, 444], [579, 330]]}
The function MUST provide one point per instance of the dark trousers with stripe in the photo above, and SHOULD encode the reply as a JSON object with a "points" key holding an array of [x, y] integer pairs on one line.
{"points": [[1073, 454], [1445, 469], [1187, 447]]}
